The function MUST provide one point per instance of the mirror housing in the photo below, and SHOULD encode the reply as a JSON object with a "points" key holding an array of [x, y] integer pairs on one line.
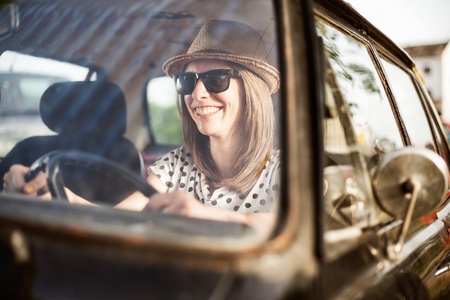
{"points": [[396, 172], [409, 184]]}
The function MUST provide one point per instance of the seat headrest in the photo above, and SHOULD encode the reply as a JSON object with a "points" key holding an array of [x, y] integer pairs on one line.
{"points": [[87, 106]]}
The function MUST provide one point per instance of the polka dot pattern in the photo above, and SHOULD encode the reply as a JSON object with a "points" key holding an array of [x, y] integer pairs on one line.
{"points": [[177, 171]]}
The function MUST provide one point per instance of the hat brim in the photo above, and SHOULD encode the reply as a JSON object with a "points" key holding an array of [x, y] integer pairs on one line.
{"points": [[267, 72]]}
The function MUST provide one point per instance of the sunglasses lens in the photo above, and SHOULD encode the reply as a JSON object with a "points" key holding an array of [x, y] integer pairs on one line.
{"points": [[217, 81], [185, 83]]}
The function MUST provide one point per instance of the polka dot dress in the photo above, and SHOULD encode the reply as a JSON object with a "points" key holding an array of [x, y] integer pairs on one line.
{"points": [[177, 171]]}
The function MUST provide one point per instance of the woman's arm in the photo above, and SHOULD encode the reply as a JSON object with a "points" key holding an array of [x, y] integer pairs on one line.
{"points": [[177, 202], [14, 182], [137, 201], [181, 203]]}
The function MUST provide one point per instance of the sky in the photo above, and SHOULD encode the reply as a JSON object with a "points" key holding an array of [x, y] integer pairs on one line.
{"points": [[408, 22]]}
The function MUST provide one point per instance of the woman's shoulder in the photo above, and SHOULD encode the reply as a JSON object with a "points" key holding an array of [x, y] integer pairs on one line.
{"points": [[271, 171], [172, 159], [177, 154]]}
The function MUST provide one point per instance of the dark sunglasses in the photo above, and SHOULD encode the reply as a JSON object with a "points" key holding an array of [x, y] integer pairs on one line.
{"points": [[215, 81]]}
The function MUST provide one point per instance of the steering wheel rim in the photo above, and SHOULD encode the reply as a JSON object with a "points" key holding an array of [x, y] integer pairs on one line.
{"points": [[52, 163]]}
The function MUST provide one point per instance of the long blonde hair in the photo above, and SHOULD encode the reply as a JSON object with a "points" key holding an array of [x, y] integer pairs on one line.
{"points": [[258, 121]]}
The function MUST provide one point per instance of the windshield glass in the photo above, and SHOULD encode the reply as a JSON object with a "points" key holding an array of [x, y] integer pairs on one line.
{"points": [[119, 101]]}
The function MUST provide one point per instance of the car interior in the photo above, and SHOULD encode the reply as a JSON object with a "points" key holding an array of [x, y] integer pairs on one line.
{"points": [[92, 81]]}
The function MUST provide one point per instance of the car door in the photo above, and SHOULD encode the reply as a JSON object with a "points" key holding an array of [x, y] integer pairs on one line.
{"points": [[53, 249], [374, 105]]}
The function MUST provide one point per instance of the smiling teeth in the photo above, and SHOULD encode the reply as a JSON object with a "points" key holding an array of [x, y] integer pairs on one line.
{"points": [[206, 110]]}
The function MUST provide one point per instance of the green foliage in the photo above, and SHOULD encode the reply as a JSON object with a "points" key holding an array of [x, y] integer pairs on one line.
{"points": [[166, 124]]}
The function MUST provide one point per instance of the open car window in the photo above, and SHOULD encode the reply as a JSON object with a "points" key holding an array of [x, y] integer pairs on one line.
{"points": [[90, 73]]}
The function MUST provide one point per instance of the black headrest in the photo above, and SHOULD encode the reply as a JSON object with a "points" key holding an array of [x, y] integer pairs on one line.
{"points": [[86, 106]]}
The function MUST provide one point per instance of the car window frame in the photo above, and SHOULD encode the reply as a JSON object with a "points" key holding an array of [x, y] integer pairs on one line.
{"points": [[376, 240], [437, 131], [413, 79], [293, 217], [360, 166], [375, 51]]}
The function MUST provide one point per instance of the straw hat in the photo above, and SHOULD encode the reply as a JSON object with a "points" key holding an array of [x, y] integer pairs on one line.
{"points": [[231, 41]]}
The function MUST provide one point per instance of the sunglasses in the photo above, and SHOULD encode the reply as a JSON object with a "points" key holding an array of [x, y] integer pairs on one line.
{"points": [[215, 81]]}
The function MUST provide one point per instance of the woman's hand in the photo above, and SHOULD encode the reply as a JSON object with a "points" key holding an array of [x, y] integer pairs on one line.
{"points": [[14, 182], [177, 203], [181, 203]]}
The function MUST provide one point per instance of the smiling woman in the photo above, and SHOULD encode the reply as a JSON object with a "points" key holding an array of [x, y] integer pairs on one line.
{"points": [[227, 169], [178, 171], [210, 152], [228, 124]]}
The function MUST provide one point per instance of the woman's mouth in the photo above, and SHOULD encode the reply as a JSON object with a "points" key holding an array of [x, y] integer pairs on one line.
{"points": [[204, 111]]}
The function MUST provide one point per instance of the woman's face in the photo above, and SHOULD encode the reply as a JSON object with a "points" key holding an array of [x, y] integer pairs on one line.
{"points": [[217, 115]]}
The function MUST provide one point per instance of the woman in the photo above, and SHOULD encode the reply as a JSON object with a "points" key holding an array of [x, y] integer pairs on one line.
{"points": [[227, 168]]}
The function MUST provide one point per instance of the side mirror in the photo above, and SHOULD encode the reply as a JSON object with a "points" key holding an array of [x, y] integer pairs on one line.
{"points": [[410, 184], [9, 20]]}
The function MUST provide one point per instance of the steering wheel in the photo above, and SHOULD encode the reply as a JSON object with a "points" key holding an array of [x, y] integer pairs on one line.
{"points": [[90, 176]]}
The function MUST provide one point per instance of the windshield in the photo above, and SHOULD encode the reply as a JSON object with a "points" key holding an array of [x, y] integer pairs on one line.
{"points": [[88, 98]]}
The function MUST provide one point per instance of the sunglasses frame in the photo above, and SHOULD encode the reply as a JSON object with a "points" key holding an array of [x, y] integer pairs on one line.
{"points": [[204, 77]]}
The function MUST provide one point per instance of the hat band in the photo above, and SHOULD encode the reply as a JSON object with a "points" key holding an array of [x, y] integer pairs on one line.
{"points": [[210, 51]]}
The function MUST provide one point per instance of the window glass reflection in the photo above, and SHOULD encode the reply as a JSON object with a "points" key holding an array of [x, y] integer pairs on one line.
{"points": [[370, 110], [359, 127], [410, 107], [346, 195], [219, 164], [23, 80]]}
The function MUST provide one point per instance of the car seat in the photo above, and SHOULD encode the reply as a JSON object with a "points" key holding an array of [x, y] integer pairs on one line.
{"points": [[87, 116]]}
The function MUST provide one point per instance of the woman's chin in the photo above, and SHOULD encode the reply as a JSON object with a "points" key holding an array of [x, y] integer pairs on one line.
{"points": [[207, 126], [207, 131]]}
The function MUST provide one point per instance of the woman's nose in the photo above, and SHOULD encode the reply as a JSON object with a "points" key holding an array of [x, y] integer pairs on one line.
{"points": [[200, 90]]}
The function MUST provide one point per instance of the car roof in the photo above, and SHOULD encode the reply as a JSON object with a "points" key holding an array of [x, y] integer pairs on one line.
{"points": [[347, 16], [130, 30]]}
